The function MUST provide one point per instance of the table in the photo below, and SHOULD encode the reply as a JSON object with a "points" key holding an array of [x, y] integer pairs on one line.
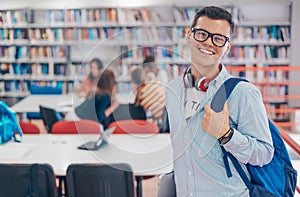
{"points": [[61, 102], [148, 154]]}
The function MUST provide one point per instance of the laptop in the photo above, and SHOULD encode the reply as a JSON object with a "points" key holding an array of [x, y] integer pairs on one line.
{"points": [[102, 140]]}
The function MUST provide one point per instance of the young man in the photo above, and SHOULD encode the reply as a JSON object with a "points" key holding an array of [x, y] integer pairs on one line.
{"points": [[197, 132]]}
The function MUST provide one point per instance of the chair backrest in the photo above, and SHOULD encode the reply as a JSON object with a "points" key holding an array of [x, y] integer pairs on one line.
{"points": [[27, 180], [91, 180], [49, 117], [77, 127], [134, 126], [29, 128], [126, 112], [40, 90]]}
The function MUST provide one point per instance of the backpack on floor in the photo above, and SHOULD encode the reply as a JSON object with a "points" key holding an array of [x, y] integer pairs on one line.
{"points": [[9, 125], [278, 178]]}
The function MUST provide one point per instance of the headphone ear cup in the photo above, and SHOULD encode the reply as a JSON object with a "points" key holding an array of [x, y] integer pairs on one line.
{"points": [[188, 79], [201, 84]]}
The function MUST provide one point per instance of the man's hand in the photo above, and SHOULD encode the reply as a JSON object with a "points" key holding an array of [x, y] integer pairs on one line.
{"points": [[216, 124]]}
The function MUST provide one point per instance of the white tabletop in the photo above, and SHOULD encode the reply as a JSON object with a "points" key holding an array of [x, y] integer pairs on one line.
{"points": [[31, 103], [147, 154], [61, 103]]}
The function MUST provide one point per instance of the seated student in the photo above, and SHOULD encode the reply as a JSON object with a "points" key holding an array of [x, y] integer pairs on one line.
{"points": [[153, 71], [90, 83], [149, 94], [101, 103]]}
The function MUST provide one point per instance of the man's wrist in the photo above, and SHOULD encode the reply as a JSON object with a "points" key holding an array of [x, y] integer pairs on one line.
{"points": [[226, 137]]}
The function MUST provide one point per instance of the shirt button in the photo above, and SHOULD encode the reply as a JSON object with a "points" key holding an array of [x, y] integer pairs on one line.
{"points": [[187, 151], [190, 172], [191, 194]]}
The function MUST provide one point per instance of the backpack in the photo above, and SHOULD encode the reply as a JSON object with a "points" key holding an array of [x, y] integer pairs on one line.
{"points": [[9, 125], [278, 178]]}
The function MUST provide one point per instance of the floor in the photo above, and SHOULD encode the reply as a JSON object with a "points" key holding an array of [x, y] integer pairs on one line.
{"points": [[150, 187]]}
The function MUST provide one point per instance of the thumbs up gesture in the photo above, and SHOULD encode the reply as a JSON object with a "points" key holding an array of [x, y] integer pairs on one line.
{"points": [[216, 123]]}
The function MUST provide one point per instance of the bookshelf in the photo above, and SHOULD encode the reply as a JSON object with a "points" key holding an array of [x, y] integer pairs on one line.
{"points": [[50, 45], [273, 82]]}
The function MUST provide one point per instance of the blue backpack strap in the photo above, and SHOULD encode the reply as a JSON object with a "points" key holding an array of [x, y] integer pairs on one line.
{"points": [[217, 105], [238, 167], [223, 93]]}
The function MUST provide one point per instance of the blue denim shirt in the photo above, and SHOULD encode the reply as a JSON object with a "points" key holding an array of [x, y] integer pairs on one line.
{"points": [[198, 163]]}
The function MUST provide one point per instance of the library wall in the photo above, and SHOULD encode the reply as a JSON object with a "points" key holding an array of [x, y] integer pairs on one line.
{"points": [[57, 40]]}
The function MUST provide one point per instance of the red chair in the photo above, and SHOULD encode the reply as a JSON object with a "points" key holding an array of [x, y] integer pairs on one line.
{"points": [[29, 128], [77, 127], [134, 127]]}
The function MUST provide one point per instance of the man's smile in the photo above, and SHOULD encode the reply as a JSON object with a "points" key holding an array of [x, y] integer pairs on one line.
{"points": [[205, 51]]}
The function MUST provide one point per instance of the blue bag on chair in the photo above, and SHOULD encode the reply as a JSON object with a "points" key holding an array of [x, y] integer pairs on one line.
{"points": [[9, 125], [278, 178]]}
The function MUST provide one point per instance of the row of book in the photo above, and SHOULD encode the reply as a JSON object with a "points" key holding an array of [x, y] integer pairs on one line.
{"points": [[24, 86], [82, 16], [182, 52], [141, 15], [43, 69], [105, 15], [13, 34], [259, 52], [33, 52], [259, 75], [136, 53], [271, 33], [11, 17]]}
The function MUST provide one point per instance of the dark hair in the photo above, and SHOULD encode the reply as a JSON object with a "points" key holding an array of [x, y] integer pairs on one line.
{"points": [[136, 76], [148, 59], [106, 82], [99, 64], [214, 12]]}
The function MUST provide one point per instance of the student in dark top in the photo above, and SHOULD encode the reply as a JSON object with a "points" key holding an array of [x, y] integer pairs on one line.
{"points": [[100, 104]]}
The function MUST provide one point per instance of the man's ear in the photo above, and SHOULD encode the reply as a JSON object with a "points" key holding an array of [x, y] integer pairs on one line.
{"points": [[188, 36], [228, 47]]}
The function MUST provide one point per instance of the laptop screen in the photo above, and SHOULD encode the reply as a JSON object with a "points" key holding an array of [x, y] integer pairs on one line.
{"points": [[104, 136], [103, 139]]}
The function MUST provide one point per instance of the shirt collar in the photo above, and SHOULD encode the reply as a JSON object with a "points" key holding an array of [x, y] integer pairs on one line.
{"points": [[222, 76]]}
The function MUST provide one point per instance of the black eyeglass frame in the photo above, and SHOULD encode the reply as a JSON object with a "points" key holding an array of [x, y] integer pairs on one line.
{"points": [[194, 30]]}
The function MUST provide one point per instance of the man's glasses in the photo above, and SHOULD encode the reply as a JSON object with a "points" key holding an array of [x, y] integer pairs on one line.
{"points": [[202, 35]]}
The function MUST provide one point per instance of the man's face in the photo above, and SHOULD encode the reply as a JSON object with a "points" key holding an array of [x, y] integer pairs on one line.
{"points": [[206, 53]]}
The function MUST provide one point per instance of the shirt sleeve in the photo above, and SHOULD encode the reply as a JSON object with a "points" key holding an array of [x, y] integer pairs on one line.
{"points": [[251, 142]]}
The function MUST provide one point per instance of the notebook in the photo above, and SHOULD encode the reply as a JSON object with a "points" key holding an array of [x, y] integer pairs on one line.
{"points": [[102, 140]]}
